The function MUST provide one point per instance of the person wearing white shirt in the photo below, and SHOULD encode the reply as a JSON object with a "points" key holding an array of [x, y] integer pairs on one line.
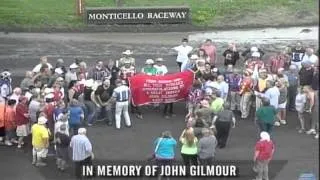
{"points": [[183, 51], [222, 86], [43, 61], [121, 95], [161, 69], [310, 56]]}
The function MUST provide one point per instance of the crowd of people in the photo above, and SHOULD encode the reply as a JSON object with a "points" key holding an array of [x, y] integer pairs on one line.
{"points": [[55, 103]]}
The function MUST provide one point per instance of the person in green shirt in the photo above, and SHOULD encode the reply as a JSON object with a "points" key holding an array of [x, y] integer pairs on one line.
{"points": [[265, 116], [217, 102], [189, 149], [149, 69]]}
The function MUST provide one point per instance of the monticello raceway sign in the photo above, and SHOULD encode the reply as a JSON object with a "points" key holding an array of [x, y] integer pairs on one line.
{"points": [[163, 15]]}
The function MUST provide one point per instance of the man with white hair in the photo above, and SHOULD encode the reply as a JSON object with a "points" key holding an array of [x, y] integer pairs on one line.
{"points": [[310, 57], [43, 62], [293, 79], [82, 153], [40, 141], [264, 150]]}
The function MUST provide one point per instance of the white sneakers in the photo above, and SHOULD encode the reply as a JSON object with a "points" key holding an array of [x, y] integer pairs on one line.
{"points": [[277, 123], [311, 131], [283, 122]]}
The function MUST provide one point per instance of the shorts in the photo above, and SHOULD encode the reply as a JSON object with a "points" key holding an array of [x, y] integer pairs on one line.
{"points": [[62, 153], [283, 105], [40, 152], [22, 130]]}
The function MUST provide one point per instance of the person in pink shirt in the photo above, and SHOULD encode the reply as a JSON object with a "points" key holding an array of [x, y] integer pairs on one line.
{"points": [[210, 50]]}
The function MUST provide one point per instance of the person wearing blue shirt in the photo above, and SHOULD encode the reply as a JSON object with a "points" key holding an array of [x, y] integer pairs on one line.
{"points": [[76, 114], [165, 149]]}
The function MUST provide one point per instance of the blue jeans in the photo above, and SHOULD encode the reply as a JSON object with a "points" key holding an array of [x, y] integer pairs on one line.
{"points": [[109, 116], [90, 111]]}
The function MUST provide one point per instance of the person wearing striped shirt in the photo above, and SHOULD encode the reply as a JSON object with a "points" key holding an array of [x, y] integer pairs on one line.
{"points": [[82, 154], [121, 95]]}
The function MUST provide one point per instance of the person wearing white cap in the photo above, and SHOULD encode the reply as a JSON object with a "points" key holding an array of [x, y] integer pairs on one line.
{"points": [[43, 62], [161, 68], [126, 59], [149, 69], [126, 71], [183, 51], [190, 64], [71, 75], [248, 52], [5, 84], [264, 150], [82, 151], [40, 141]]}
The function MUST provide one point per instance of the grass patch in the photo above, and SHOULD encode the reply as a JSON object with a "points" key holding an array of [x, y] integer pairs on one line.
{"points": [[61, 13]]}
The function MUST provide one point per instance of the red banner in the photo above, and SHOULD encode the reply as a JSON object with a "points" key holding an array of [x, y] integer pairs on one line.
{"points": [[160, 89]]}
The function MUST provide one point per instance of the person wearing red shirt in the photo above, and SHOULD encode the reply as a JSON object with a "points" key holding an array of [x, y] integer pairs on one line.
{"points": [[57, 93], [210, 50], [276, 62], [48, 111], [245, 92], [263, 154], [255, 64], [127, 71], [22, 120]]}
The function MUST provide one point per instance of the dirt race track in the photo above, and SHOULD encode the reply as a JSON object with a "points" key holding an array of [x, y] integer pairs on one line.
{"points": [[295, 153]]}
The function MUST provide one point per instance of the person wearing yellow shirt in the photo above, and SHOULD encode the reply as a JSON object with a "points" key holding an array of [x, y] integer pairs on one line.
{"points": [[189, 149], [217, 102], [40, 141]]}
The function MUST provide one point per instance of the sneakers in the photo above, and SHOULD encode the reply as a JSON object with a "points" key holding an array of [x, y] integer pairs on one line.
{"points": [[283, 122], [301, 131], [316, 136], [311, 131], [8, 143], [277, 123], [19, 146]]}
